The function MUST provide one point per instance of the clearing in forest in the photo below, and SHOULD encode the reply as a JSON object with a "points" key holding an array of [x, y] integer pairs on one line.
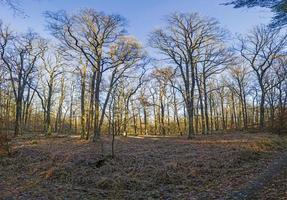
{"points": [[207, 167]]}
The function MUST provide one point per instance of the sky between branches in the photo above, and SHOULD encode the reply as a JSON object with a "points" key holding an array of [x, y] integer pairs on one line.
{"points": [[142, 15]]}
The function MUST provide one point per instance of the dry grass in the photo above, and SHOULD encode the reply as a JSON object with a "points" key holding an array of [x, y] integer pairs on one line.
{"points": [[207, 167], [275, 189]]}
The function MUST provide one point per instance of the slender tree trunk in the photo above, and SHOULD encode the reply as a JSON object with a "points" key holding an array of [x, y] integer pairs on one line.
{"points": [[134, 118], [200, 98], [140, 121], [71, 112], [206, 106], [176, 118], [197, 118], [145, 120], [245, 112], [60, 107], [234, 125], [83, 111], [97, 121], [184, 119], [222, 111], [162, 117], [126, 119]]}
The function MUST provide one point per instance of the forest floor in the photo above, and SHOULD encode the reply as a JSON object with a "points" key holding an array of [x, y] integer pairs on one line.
{"points": [[217, 166]]}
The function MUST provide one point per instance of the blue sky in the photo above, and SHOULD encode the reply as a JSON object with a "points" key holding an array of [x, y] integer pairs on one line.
{"points": [[142, 15]]}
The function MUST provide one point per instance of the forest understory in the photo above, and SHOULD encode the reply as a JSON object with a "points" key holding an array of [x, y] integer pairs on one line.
{"points": [[151, 167]]}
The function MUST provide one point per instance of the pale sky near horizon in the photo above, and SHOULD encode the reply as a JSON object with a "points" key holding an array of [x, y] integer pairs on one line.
{"points": [[142, 16]]}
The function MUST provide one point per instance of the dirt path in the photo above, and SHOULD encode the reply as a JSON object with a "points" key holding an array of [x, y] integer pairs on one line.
{"points": [[253, 187]]}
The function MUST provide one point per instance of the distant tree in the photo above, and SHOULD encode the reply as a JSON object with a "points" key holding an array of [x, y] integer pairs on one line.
{"points": [[278, 7], [19, 54], [213, 60], [260, 49], [182, 42], [240, 77], [50, 69], [162, 77]]}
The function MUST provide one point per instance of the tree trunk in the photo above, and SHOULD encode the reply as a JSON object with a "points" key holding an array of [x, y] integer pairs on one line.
{"points": [[18, 121], [206, 106], [83, 111], [91, 106], [262, 110]]}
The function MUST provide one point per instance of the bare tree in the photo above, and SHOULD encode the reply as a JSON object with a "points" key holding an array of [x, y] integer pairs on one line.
{"points": [[89, 34], [19, 55], [260, 49], [99, 39], [50, 68], [182, 42], [239, 85]]}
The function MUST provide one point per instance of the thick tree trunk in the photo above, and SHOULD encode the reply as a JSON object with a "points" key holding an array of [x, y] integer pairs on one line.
{"points": [[262, 110], [190, 115], [91, 106], [48, 130], [18, 120]]}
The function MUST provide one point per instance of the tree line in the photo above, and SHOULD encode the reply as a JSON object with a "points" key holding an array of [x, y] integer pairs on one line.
{"points": [[94, 78]]}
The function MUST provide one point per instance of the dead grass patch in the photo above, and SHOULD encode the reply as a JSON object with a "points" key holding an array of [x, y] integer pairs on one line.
{"points": [[206, 167]]}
